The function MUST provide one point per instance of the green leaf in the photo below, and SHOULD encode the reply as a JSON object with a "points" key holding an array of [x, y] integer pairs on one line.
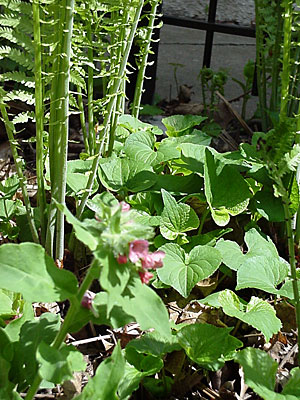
{"points": [[146, 363], [208, 345], [14, 327], [263, 273], [121, 173], [31, 335], [139, 147], [233, 257], [176, 218], [78, 172], [179, 125], [269, 206], [108, 376], [257, 313], [28, 269], [5, 304], [59, 365], [134, 125], [146, 307], [178, 185], [153, 343], [183, 271], [226, 191]]}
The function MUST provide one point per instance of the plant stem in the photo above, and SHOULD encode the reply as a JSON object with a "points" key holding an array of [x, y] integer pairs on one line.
{"points": [[285, 75], [276, 59], [39, 117], [260, 60], [142, 68], [291, 247], [114, 89], [10, 129], [90, 91], [82, 119], [93, 273]]}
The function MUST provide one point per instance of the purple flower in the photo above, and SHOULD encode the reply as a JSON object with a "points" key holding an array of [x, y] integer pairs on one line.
{"points": [[145, 276], [138, 249], [125, 206], [153, 260], [87, 300], [122, 259]]}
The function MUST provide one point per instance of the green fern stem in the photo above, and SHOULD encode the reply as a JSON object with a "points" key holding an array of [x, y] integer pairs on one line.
{"points": [[286, 60], [39, 117], [82, 119], [10, 129], [291, 247], [63, 130], [93, 273], [142, 69], [276, 59], [105, 127], [261, 70], [59, 18], [90, 91]]}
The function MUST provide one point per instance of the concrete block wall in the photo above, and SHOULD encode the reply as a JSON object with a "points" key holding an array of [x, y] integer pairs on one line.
{"points": [[238, 11]]}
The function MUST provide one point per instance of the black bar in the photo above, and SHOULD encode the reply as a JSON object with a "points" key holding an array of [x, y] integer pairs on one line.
{"points": [[229, 29], [209, 38]]}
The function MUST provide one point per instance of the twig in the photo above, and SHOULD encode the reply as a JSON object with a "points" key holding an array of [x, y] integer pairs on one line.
{"points": [[90, 340], [235, 114], [288, 355]]}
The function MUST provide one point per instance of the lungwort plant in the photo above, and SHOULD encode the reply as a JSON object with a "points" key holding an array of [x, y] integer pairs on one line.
{"points": [[146, 216]]}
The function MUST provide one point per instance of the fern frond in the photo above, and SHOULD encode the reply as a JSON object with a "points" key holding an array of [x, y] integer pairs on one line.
{"points": [[17, 38], [17, 5], [22, 58], [16, 21], [20, 95], [292, 159], [23, 117], [17, 76], [77, 79]]}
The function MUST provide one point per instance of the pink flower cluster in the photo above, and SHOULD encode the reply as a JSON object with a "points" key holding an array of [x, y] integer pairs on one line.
{"points": [[139, 250]]}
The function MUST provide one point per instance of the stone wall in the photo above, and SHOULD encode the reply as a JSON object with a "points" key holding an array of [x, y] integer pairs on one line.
{"points": [[239, 11]]}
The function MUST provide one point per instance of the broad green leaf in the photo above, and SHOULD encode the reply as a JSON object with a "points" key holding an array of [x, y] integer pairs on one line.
{"points": [[183, 271], [134, 125], [208, 345], [257, 313], [59, 365], [31, 335], [121, 173], [78, 172], [14, 327], [179, 125], [193, 156], [253, 361], [108, 376], [113, 279], [139, 147], [28, 269], [146, 307], [146, 363], [233, 257], [263, 273], [5, 304], [176, 219], [269, 206], [153, 343], [226, 191], [178, 185]]}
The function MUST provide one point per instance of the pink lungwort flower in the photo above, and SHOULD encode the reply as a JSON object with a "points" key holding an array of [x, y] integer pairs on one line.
{"points": [[153, 260], [138, 249], [122, 259], [145, 276], [125, 206], [87, 300]]}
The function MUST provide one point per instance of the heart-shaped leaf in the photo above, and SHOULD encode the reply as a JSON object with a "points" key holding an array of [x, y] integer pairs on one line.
{"points": [[122, 173], [139, 147], [28, 269], [257, 313], [183, 271], [226, 191], [208, 345], [176, 218], [178, 125]]}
